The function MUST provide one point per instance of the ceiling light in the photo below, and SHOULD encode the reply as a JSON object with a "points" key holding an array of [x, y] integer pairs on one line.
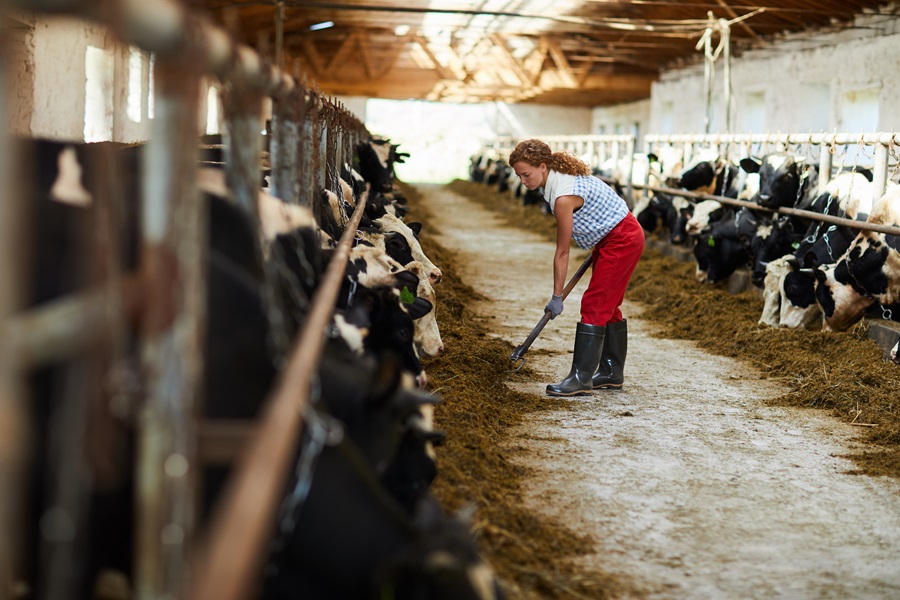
{"points": [[322, 25], [401, 30]]}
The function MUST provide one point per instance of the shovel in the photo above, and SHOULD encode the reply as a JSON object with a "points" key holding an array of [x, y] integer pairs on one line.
{"points": [[519, 353]]}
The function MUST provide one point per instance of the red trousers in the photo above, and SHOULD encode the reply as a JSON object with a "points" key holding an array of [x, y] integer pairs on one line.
{"points": [[613, 261]]}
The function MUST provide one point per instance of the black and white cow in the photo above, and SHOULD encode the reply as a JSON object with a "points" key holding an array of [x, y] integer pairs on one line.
{"points": [[868, 272]]}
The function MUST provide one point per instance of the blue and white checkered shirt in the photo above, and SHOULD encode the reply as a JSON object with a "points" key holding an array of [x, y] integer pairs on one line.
{"points": [[603, 209]]}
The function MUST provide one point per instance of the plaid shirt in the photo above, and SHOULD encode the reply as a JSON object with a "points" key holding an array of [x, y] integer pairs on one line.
{"points": [[603, 209]]}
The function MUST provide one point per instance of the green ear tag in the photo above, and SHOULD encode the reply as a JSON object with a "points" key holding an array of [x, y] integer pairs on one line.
{"points": [[406, 296], [795, 245], [711, 242]]}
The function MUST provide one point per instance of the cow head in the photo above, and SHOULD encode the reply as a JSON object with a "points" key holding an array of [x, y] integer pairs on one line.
{"points": [[799, 308], [780, 178], [841, 303]]}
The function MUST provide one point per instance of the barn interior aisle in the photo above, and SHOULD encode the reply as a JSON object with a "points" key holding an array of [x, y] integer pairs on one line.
{"points": [[689, 483]]}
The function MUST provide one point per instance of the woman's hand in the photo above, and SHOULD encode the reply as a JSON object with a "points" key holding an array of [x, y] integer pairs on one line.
{"points": [[555, 306]]}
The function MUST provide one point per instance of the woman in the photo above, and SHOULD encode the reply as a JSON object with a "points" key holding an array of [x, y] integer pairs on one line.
{"points": [[589, 211]]}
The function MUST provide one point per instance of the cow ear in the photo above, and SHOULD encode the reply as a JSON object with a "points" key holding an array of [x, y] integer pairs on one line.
{"points": [[418, 308], [750, 165], [416, 228], [652, 157], [810, 261], [865, 173], [819, 275]]}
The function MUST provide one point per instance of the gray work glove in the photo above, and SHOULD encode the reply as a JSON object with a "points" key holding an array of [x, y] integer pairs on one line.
{"points": [[554, 307]]}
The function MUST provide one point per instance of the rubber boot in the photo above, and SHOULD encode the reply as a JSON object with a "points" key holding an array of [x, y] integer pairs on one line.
{"points": [[588, 345], [611, 372]]}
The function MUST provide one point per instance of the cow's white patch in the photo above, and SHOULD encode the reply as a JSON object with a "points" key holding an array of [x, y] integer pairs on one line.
{"points": [[351, 334], [772, 291], [776, 161], [697, 223], [67, 188], [895, 353]]}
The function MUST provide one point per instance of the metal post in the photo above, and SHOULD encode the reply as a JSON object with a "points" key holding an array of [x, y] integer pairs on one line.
{"points": [[173, 238], [629, 191], [725, 30], [279, 35], [285, 147], [880, 177], [13, 423], [321, 145], [824, 164], [308, 148]]}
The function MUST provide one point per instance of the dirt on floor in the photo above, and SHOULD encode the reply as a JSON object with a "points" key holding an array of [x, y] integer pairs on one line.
{"points": [[695, 481]]}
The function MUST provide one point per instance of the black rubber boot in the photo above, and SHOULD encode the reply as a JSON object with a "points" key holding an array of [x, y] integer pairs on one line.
{"points": [[588, 345], [611, 372]]}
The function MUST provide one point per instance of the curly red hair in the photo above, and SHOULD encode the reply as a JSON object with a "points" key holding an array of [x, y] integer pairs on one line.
{"points": [[534, 152]]}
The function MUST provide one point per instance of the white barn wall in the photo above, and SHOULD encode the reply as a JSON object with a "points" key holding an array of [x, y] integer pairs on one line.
{"points": [[440, 137], [804, 82], [53, 71], [633, 117]]}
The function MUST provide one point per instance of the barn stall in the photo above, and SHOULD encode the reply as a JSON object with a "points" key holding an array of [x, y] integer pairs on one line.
{"points": [[573, 68]]}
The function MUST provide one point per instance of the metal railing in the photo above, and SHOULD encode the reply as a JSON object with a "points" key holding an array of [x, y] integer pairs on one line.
{"points": [[311, 137]]}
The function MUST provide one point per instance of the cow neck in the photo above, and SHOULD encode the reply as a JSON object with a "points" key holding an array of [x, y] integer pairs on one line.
{"points": [[803, 189]]}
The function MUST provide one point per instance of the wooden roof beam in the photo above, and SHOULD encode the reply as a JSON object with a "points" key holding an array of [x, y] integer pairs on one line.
{"points": [[567, 76], [343, 52], [516, 67]]}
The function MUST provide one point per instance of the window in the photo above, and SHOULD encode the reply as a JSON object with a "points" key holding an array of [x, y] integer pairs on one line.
{"points": [[133, 106], [98, 95], [212, 110]]}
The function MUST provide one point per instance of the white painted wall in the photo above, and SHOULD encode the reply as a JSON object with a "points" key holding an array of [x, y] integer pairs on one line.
{"points": [[441, 137], [51, 70], [631, 118], [819, 81]]}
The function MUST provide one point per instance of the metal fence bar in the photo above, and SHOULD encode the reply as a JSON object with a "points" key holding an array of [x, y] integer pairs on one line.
{"points": [[225, 568], [63, 327], [806, 214], [882, 141], [284, 147], [173, 235], [13, 422]]}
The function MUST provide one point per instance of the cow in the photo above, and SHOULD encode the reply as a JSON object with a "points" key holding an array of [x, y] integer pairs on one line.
{"points": [[376, 163], [724, 246], [784, 180], [427, 335], [710, 174], [867, 272], [410, 231], [241, 363]]}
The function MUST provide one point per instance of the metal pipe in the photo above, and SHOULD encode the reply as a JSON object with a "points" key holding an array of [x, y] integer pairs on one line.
{"points": [[66, 326], [223, 568], [14, 424], [880, 176], [285, 147], [782, 138], [173, 238], [825, 157], [806, 214]]}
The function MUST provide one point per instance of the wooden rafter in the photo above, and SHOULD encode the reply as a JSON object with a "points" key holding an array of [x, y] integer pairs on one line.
{"points": [[343, 53], [515, 66], [567, 76]]}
